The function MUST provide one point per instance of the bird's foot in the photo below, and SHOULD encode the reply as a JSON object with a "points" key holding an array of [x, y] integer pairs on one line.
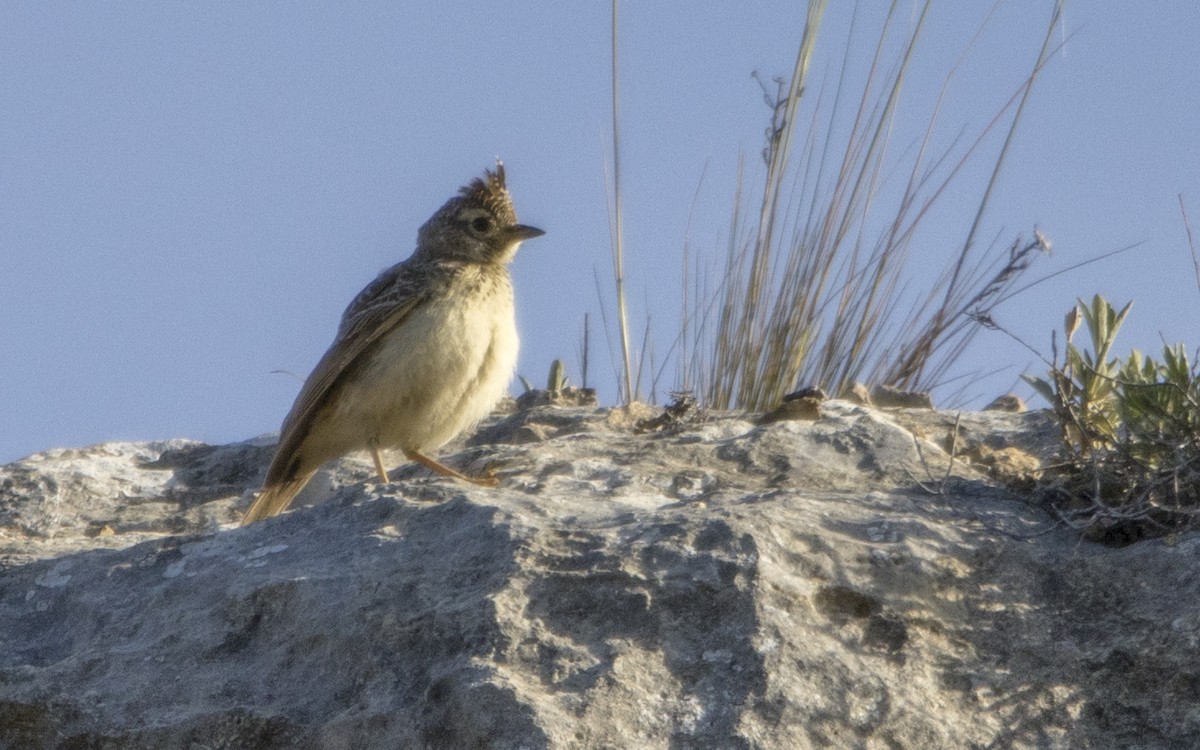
{"points": [[487, 480]]}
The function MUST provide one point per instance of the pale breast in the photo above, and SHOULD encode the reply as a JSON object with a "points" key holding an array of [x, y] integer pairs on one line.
{"points": [[437, 373]]}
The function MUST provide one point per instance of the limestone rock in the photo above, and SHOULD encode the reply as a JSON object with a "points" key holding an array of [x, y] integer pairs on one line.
{"points": [[886, 396], [858, 581]]}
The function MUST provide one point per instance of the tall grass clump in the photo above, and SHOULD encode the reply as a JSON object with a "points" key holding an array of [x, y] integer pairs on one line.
{"points": [[818, 285]]}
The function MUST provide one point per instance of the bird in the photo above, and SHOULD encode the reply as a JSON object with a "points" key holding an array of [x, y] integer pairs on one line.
{"points": [[421, 354]]}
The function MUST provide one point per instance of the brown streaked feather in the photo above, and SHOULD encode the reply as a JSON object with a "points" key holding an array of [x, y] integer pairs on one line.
{"points": [[379, 308], [275, 498], [491, 193]]}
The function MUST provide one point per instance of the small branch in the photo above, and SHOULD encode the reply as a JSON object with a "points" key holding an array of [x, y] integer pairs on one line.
{"points": [[618, 244], [1187, 225]]}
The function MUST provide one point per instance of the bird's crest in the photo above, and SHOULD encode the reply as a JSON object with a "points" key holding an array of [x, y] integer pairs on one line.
{"points": [[491, 193]]}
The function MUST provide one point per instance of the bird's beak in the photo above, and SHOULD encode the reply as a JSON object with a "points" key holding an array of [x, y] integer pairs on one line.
{"points": [[520, 232]]}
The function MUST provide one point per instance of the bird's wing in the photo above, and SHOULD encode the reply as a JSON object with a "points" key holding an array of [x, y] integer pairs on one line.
{"points": [[377, 309]]}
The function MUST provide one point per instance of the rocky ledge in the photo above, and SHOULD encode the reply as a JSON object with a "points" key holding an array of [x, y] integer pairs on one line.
{"points": [[866, 579]]}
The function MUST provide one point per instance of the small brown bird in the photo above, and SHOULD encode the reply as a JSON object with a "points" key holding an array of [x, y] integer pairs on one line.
{"points": [[423, 353]]}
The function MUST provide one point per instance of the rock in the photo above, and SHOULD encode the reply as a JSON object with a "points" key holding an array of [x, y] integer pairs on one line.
{"points": [[682, 412], [720, 584], [796, 410], [1007, 402], [858, 394], [802, 405], [890, 397], [566, 396], [815, 393]]}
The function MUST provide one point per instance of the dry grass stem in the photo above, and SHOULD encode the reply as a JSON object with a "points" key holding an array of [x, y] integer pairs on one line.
{"points": [[815, 287]]}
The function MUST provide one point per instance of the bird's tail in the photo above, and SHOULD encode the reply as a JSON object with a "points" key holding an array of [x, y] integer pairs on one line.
{"points": [[275, 498]]}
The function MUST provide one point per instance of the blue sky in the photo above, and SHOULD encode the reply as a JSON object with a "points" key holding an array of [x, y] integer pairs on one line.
{"points": [[190, 193]]}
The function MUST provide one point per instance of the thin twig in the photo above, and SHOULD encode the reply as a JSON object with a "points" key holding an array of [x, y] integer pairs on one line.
{"points": [[618, 243], [953, 448], [1187, 225], [587, 348]]}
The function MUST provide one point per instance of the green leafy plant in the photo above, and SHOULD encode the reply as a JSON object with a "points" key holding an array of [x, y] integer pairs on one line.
{"points": [[556, 380], [1130, 431]]}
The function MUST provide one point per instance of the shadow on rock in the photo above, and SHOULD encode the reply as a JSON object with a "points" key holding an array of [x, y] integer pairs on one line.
{"points": [[690, 603], [338, 627]]}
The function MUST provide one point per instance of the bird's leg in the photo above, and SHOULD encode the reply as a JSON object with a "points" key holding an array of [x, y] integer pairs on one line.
{"points": [[446, 471], [383, 477]]}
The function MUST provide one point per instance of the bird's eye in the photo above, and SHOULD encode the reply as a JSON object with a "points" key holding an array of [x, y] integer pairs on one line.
{"points": [[481, 224]]}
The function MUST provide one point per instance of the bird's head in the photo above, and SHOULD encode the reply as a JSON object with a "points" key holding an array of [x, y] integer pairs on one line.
{"points": [[477, 225]]}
